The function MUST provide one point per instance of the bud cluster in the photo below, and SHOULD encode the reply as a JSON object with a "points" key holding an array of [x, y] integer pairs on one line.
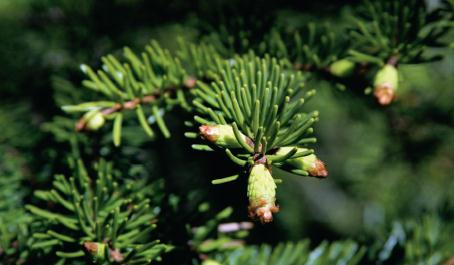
{"points": [[261, 190]]}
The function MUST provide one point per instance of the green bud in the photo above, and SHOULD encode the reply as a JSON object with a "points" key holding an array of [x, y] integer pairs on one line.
{"points": [[387, 74], [94, 120], [221, 135], [342, 68], [96, 250], [385, 84], [310, 163], [261, 192]]}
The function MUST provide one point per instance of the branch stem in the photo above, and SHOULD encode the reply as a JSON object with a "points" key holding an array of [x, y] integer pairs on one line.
{"points": [[133, 103]]}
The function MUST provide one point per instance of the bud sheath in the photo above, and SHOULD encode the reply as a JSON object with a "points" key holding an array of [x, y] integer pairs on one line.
{"points": [[221, 135], [310, 163], [385, 84], [261, 192], [342, 68], [94, 120], [96, 250]]}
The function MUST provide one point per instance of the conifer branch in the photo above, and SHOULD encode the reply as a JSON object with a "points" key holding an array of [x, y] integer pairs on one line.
{"points": [[255, 110], [156, 78], [347, 252], [97, 219], [133, 103]]}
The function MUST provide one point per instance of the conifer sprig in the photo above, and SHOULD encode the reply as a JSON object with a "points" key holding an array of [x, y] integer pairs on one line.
{"points": [[14, 221], [155, 79], [313, 48], [97, 219], [400, 31], [258, 103], [263, 104], [342, 252], [254, 111], [424, 240]]}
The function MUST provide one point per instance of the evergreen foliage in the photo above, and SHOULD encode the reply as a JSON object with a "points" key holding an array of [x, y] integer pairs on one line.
{"points": [[14, 221], [97, 218], [245, 83], [262, 104], [294, 253]]}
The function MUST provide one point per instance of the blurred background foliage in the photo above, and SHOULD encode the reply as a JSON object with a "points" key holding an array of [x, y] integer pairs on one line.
{"points": [[391, 183]]}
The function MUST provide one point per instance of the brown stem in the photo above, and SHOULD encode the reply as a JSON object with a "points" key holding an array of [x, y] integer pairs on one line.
{"points": [[393, 60], [259, 158], [132, 104]]}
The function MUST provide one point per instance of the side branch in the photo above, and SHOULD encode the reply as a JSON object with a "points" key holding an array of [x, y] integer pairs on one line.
{"points": [[133, 103]]}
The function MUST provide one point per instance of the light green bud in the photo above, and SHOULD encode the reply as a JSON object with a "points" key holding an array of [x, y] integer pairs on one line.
{"points": [[221, 135], [261, 192], [387, 75], [342, 68], [385, 84], [94, 120], [96, 250], [310, 163]]}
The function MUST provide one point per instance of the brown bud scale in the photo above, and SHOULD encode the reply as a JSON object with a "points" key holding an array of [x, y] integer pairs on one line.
{"points": [[91, 247], [319, 169], [384, 94], [210, 133], [116, 255], [263, 211]]}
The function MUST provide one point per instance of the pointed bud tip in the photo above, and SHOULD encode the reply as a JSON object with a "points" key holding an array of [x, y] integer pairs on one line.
{"points": [[264, 213], [384, 93], [116, 255], [91, 247], [319, 169], [95, 249], [209, 132], [266, 217], [190, 82]]}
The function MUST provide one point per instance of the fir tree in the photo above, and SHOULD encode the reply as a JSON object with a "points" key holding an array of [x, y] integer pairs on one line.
{"points": [[204, 134]]}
